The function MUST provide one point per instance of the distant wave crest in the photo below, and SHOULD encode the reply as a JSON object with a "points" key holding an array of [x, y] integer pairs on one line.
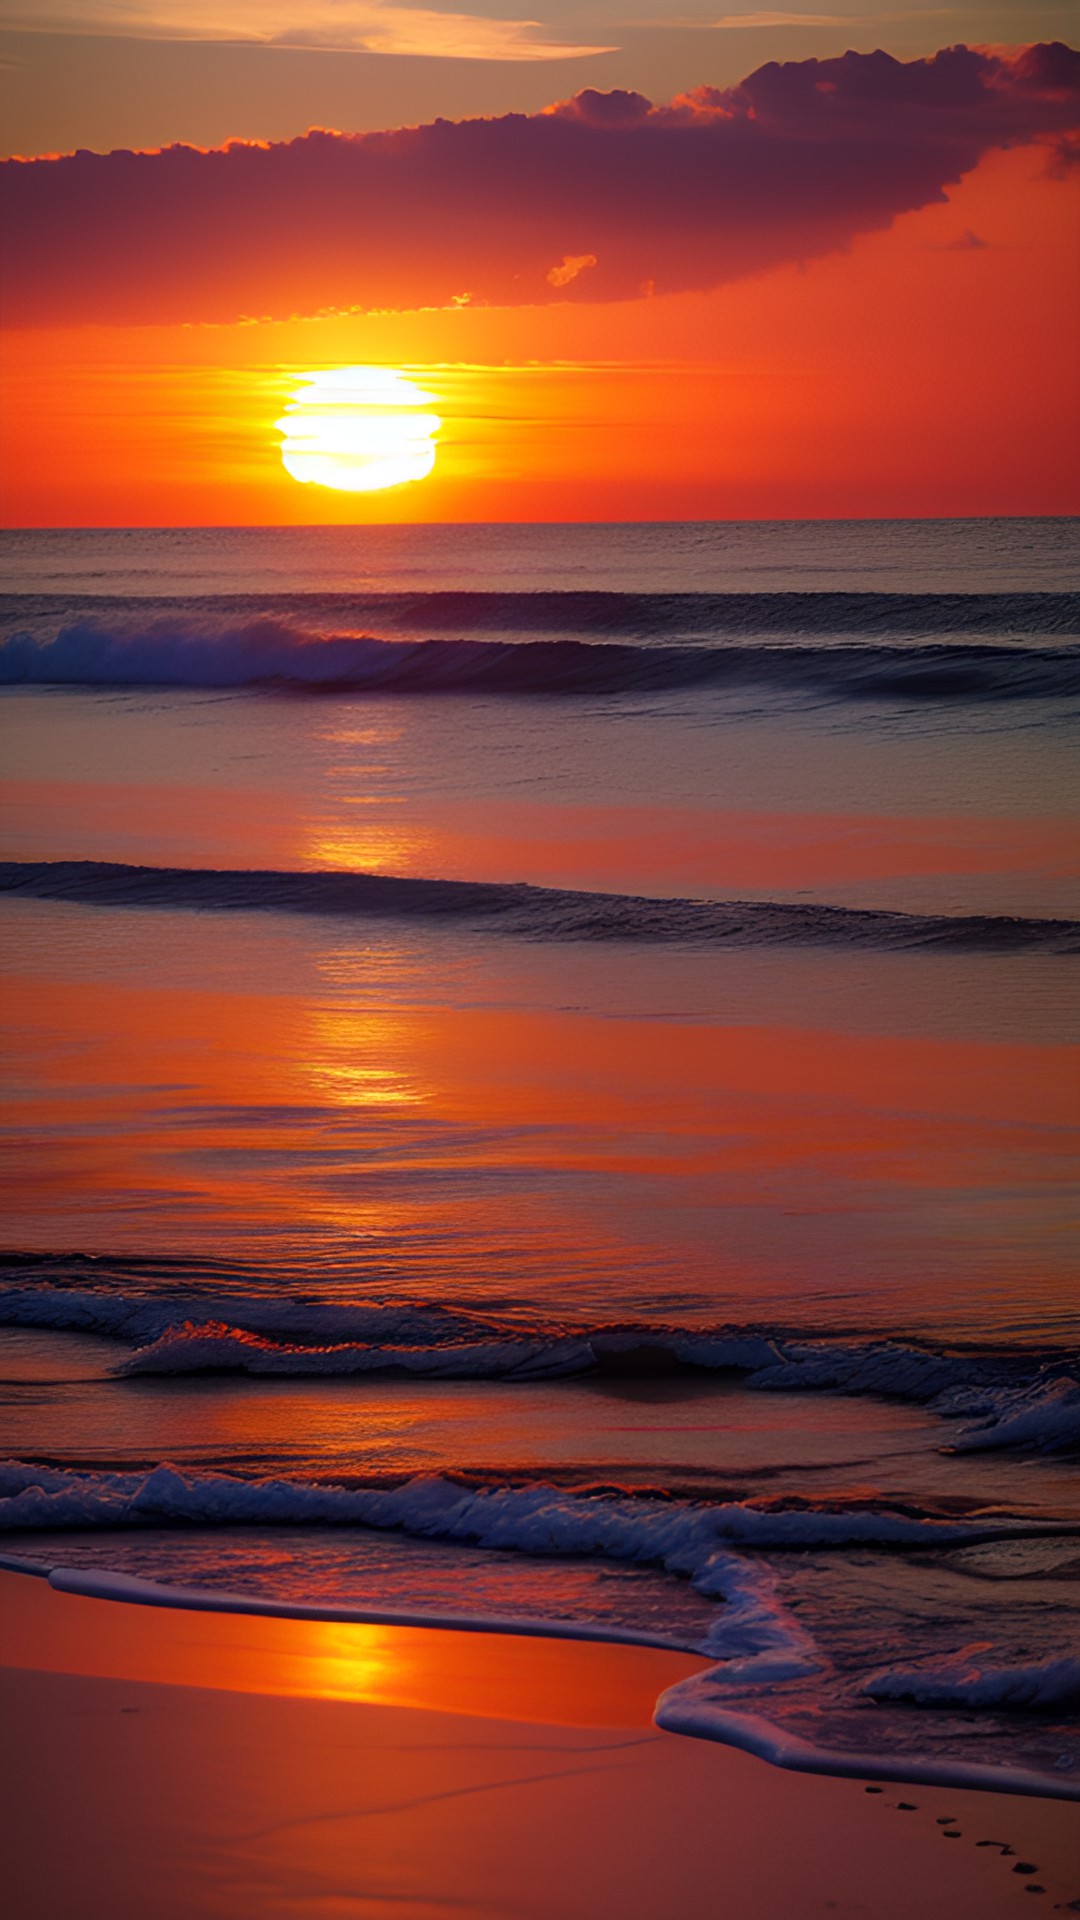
{"points": [[1021, 1400], [528, 912], [915, 647]]}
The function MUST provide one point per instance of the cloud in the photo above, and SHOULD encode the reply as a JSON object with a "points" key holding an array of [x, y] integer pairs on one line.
{"points": [[574, 264], [966, 242], [782, 20], [723, 183], [370, 26]]}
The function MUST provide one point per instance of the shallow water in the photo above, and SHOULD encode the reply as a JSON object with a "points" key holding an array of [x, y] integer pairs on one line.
{"points": [[697, 1259]]}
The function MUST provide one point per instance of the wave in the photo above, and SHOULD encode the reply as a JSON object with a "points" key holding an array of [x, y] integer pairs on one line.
{"points": [[1021, 1400], [966, 1679], [143, 1316], [105, 1584], [697, 1707], [1045, 1414], [528, 912], [537, 1518], [758, 1644], [893, 659], [600, 613], [1040, 1413], [963, 1679], [218, 1348]]}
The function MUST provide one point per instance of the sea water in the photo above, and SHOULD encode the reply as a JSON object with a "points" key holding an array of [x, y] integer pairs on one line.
{"points": [[541, 1091]]}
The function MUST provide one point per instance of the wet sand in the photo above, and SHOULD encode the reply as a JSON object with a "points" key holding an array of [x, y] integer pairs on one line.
{"points": [[168, 1764]]}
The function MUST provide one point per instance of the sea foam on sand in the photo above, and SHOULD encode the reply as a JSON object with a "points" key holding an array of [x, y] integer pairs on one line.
{"points": [[232, 1767]]}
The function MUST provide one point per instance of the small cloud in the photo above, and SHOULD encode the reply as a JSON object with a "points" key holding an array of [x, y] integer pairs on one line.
{"points": [[615, 109], [783, 20], [966, 242], [345, 26], [572, 265], [1064, 157]]}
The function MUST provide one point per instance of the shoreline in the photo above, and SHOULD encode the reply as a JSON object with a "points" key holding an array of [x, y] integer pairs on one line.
{"points": [[193, 1762], [683, 1707]]}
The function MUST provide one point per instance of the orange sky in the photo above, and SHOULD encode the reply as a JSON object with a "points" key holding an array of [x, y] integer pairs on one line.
{"points": [[917, 373]]}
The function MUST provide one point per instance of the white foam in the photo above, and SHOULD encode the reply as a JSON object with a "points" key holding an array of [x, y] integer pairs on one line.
{"points": [[752, 1631], [1014, 1402], [754, 1638], [20, 1563], [1045, 1415], [887, 1367], [966, 1679], [696, 1707], [99, 1584], [173, 652], [536, 1518], [148, 1317], [192, 1348]]}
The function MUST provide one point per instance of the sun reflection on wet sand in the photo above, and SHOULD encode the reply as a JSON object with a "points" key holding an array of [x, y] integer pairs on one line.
{"points": [[494, 1675], [344, 1662]]}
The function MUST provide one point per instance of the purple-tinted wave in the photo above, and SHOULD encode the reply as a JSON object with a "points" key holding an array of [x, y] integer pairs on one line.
{"points": [[1025, 1400], [534, 913], [837, 646]]}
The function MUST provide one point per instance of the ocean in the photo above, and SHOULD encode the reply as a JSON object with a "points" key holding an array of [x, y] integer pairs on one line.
{"points": [[543, 1091]]}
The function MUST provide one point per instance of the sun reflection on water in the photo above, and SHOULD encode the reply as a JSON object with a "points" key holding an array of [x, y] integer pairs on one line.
{"points": [[381, 848], [351, 1059]]}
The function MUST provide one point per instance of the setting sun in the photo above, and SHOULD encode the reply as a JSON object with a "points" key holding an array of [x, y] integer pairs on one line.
{"points": [[358, 429]]}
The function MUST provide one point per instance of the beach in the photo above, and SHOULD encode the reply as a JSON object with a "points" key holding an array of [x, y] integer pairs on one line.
{"points": [[181, 1763]]}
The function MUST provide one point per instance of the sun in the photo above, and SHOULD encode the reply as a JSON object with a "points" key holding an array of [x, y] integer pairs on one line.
{"points": [[358, 429]]}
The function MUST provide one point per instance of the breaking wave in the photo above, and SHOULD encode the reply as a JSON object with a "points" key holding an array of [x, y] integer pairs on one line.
{"points": [[681, 1536], [1028, 1401], [967, 1679], [768, 1664], [528, 912], [219, 1348], [916, 647]]}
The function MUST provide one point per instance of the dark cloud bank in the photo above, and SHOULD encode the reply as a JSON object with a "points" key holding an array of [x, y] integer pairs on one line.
{"points": [[791, 164]]}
